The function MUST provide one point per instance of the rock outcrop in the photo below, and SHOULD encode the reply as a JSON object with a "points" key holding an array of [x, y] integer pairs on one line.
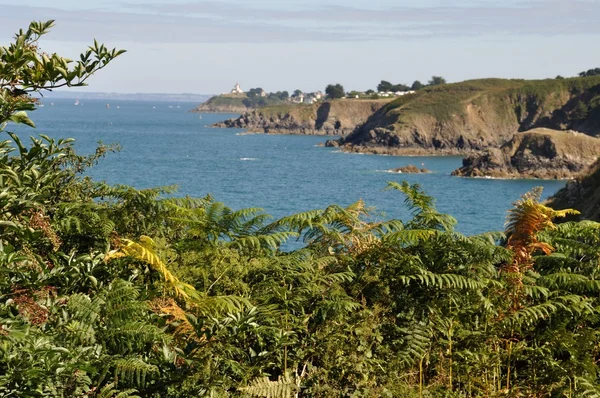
{"points": [[538, 153], [337, 117], [409, 169], [582, 194], [471, 116]]}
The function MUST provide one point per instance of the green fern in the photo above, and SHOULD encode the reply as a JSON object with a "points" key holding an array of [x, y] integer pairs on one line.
{"points": [[284, 387]]}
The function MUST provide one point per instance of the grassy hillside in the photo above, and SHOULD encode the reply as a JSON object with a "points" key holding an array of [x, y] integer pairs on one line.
{"points": [[237, 103], [224, 103], [476, 114]]}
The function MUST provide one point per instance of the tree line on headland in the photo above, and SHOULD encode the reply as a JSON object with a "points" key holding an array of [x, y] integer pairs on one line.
{"points": [[334, 91], [111, 291]]}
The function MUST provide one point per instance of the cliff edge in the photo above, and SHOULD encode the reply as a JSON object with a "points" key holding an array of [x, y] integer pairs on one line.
{"points": [[336, 117], [538, 153], [475, 115]]}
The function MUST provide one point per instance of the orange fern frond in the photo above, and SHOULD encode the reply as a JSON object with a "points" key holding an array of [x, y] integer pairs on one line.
{"points": [[525, 220]]}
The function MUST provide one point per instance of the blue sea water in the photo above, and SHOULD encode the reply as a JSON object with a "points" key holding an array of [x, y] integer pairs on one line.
{"points": [[163, 144]]}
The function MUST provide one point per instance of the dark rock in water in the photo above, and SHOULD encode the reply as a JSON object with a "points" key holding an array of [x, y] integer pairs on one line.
{"points": [[409, 169], [538, 153], [332, 143]]}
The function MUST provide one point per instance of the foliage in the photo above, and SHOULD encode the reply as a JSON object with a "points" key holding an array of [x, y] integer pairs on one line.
{"points": [[385, 86], [580, 111], [417, 85], [256, 100], [335, 91], [25, 68], [590, 72], [436, 80], [109, 291]]}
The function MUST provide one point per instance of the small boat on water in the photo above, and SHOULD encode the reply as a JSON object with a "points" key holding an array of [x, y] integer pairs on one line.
{"points": [[76, 102], [107, 106]]}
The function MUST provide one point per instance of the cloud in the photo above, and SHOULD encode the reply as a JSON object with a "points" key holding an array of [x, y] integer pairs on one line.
{"points": [[228, 22], [525, 16]]}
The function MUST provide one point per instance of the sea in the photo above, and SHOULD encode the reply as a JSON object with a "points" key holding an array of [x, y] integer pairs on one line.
{"points": [[164, 144]]}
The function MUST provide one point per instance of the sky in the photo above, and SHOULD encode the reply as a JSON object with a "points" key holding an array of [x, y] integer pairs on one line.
{"points": [[205, 47]]}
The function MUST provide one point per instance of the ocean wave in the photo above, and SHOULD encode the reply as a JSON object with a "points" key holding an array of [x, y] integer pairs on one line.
{"points": [[249, 159]]}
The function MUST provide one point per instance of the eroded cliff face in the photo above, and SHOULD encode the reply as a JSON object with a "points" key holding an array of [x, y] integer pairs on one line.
{"points": [[337, 117], [475, 115], [582, 194], [538, 153]]}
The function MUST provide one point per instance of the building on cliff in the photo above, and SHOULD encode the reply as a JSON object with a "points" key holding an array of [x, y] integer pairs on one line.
{"points": [[237, 89]]}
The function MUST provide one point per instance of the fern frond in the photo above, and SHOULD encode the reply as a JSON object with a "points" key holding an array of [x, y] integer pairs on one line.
{"points": [[134, 371], [284, 387], [111, 391], [144, 251]]}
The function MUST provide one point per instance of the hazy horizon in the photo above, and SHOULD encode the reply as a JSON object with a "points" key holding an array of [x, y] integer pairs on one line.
{"points": [[205, 47]]}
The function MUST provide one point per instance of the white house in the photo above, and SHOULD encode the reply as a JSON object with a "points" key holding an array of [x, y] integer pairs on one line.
{"points": [[237, 89]]}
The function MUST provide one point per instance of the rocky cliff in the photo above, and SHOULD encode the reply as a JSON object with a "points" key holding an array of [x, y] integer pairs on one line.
{"points": [[478, 114], [538, 153], [582, 194], [337, 117]]}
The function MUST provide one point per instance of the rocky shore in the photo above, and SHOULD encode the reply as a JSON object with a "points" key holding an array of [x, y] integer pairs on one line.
{"points": [[410, 169], [538, 153], [337, 117]]}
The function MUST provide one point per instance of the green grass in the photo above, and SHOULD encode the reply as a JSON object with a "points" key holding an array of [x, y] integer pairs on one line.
{"points": [[446, 101]]}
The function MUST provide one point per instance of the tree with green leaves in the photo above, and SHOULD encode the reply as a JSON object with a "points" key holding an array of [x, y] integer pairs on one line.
{"points": [[384, 86], [417, 85], [590, 72], [436, 80], [25, 69], [334, 91], [580, 111]]}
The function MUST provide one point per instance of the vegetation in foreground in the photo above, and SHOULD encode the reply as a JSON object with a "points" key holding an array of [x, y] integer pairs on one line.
{"points": [[109, 291]]}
